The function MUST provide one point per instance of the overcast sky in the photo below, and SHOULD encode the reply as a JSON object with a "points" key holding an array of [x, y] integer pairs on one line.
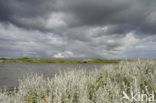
{"points": [[78, 28]]}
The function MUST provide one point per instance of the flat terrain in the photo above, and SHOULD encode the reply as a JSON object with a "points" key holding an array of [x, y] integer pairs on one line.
{"points": [[33, 60]]}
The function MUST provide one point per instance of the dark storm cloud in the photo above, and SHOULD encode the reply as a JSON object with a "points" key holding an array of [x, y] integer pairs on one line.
{"points": [[123, 15], [93, 12], [126, 15], [11, 11], [25, 8], [85, 28]]}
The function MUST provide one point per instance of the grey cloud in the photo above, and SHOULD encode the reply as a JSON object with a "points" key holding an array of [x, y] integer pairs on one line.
{"points": [[12, 10], [18, 42], [123, 15], [93, 12], [26, 8], [85, 28]]}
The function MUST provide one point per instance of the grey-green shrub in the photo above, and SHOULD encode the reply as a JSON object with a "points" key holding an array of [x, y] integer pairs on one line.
{"points": [[103, 85]]}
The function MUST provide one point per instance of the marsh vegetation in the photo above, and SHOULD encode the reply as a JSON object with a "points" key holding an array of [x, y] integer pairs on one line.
{"points": [[99, 86]]}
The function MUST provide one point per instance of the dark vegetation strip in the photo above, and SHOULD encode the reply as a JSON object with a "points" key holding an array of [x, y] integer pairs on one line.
{"points": [[34, 60]]}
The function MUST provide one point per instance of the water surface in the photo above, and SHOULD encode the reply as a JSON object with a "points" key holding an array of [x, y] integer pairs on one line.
{"points": [[11, 72]]}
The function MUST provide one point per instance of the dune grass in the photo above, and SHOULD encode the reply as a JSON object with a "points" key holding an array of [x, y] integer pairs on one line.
{"points": [[103, 85]]}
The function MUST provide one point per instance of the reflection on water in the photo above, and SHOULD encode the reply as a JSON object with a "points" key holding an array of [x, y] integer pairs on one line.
{"points": [[11, 72]]}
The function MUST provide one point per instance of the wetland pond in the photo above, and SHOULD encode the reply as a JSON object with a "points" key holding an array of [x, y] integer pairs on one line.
{"points": [[11, 72]]}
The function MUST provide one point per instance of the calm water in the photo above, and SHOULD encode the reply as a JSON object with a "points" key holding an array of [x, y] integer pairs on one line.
{"points": [[11, 72]]}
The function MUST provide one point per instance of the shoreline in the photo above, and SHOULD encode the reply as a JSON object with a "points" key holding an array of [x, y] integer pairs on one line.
{"points": [[34, 60]]}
